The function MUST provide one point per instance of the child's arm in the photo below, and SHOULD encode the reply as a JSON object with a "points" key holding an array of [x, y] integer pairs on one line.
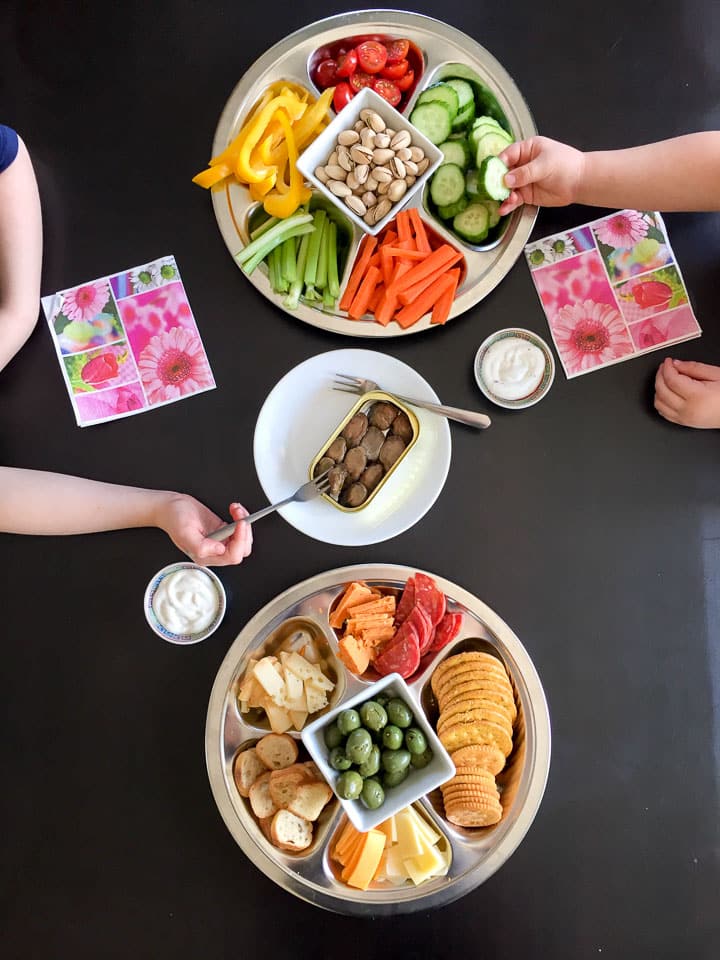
{"points": [[20, 254], [679, 174], [35, 502]]}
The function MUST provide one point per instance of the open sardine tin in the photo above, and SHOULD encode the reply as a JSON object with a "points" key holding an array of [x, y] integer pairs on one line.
{"points": [[363, 405]]}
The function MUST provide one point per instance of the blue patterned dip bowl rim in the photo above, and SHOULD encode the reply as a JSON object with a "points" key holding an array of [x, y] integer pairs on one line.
{"points": [[183, 638], [548, 374]]}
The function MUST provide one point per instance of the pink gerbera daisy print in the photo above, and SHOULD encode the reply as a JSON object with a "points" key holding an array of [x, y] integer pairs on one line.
{"points": [[173, 364], [590, 334], [85, 302], [622, 230]]}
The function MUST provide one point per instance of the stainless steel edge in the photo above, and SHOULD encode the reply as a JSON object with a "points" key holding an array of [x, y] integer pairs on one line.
{"points": [[476, 854], [442, 44]]}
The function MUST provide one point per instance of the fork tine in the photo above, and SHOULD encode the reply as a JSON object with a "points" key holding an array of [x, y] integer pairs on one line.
{"points": [[347, 389], [347, 376]]}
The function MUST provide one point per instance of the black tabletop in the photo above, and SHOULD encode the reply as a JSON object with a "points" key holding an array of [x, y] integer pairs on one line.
{"points": [[588, 523]]}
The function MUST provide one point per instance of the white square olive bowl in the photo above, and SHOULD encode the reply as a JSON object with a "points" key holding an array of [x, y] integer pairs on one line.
{"points": [[319, 151], [418, 782]]}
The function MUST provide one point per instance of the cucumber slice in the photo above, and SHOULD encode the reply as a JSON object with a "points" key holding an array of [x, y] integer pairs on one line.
{"points": [[490, 145], [451, 210], [472, 223], [493, 209], [466, 94], [480, 130], [447, 185], [472, 183], [464, 117], [491, 179], [433, 120], [443, 93], [456, 151]]}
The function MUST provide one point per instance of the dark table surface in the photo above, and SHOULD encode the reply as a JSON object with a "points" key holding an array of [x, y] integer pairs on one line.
{"points": [[590, 524]]}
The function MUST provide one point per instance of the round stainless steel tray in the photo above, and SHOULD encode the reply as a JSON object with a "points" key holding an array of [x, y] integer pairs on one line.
{"points": [[476, 854], [444, 48]]}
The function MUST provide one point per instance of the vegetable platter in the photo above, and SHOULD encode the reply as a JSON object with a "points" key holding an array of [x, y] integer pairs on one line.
{"points": [[456, 91], [293, 699]]}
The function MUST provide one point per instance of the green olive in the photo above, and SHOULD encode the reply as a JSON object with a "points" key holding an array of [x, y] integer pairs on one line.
{"points": [[348, 721], [370, 766], [373, 715], [349, 785], [392, 737], [382, 699], [415, 740], [399, 713], [393, 761], [420, 760], [395, 779], [333, 736], [358, 746], [338, 759], [372, 794]]}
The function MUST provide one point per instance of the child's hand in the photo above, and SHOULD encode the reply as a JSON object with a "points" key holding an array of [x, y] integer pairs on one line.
{"points": [[542, 172], [688, 393], [186, 521]]}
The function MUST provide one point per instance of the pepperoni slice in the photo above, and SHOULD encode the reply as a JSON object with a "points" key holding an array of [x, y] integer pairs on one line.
{"points": [[446, 630], [397, 50], [361, 79], [407, 601], [372, 56], [401, 655], [429, 598], [419, 619], [388, 90]]}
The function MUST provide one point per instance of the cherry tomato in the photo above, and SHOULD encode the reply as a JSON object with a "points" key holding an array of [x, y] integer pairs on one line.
{"points": [[394, 71], [342, 96], [360, 79], [372, 56], [326, 73], [388, 91], [347, 64], [397, 50], [404, 83]]}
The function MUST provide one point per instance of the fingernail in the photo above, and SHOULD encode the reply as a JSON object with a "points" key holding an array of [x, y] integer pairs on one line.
{"points": [[676, 362], [509, 180], [234, 506]]}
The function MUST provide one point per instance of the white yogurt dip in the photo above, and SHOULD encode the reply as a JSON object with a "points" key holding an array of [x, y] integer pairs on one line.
{"points": [[186, 602], [512, 368]]}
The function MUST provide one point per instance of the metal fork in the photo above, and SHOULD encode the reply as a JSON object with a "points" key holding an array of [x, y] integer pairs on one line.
{"points": [[348, 384], [308, 491]]}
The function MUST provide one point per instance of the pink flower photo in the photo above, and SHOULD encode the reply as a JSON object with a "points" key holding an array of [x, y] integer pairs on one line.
{"points": [[109, 404], [623, 229], [590, 334], [85, 302], [679, 324], [173, 364], [147, 314]]}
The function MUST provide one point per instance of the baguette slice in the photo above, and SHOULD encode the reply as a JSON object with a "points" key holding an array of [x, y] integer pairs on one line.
{"points": [[247, 769], [260, 800], [309, 799], [277, 750], [265, 825], [284, 783], [290, 832]]}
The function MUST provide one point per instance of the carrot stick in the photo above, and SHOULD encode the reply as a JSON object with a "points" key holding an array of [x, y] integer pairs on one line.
{"points": [[403, 225], [386, 264], [386, 308], [421, 237], [367, 248], [361, 300], [425, 302], [377, 295], [445, 256], [443, 304], [407, 296], [389, 237], [404, 254]]}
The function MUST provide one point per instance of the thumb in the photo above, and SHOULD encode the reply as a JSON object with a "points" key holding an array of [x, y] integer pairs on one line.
{"points": [[698, 371], [522, 176]]}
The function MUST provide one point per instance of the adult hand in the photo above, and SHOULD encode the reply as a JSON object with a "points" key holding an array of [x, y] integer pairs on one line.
{"points": [[186, 521], [543, 172], [688, 393]]}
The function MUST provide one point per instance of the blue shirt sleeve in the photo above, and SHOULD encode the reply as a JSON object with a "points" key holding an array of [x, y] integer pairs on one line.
{"points": [[8, 147]]}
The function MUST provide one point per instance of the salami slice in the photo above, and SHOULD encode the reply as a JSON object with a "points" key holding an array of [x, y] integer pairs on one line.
{"points": [[402, 654], [407, 601], [429, 598], [446, 630], [422, 623]]}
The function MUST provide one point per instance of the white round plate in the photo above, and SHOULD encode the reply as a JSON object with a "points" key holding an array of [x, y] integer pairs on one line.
{"points": [[298, 417]]}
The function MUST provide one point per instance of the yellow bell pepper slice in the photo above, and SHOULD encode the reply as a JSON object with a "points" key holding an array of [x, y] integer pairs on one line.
{"points": [[288, 106], [229, 154], [211, 176], [285, 205]]}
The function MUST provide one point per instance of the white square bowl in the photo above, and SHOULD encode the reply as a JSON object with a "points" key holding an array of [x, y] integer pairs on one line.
{"points": [[417, 783], [319, 151]]}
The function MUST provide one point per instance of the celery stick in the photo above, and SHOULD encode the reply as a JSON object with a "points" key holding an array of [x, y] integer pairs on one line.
{"points": [[322, 270], [276, 234], [289, 265], [333, 282], [328, 300], [272, 270], [263, 251], [267, 225], [293, 297], [314, 251]]}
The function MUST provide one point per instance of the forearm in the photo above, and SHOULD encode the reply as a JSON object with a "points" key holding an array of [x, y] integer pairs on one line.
{"points": [[679, 174], [35, 502]]}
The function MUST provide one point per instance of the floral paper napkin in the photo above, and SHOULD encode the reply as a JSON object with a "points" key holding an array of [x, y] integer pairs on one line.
{"points": [[128, 342], [611, 290]]}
